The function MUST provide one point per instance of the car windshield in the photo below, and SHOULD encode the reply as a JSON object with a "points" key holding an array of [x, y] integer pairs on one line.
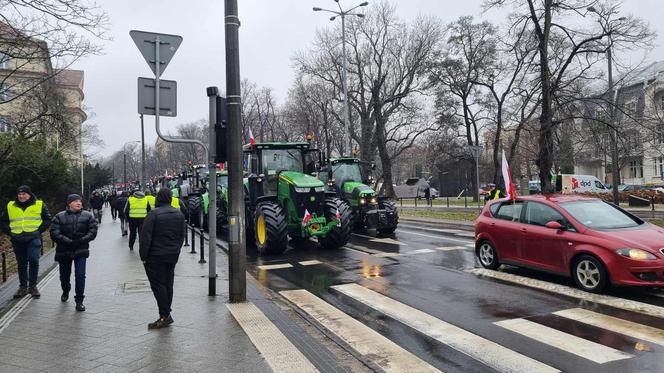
{"points": [[276, 160], [599, 215], [347, 172]]}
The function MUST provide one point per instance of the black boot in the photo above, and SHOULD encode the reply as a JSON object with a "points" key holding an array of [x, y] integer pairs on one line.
{"points": [[80, 307], [162, 322]]}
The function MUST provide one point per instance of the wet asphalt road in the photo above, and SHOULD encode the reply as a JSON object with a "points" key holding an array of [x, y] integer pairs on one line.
{"points": [[426, 268]]}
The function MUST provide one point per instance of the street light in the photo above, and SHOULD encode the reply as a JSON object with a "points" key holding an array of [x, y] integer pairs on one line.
{"points": [[124, 158], [615, 170], [476, 151], [344, 82]]}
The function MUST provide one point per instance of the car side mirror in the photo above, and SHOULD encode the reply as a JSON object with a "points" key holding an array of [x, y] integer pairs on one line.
{"points": [[554, 225]]}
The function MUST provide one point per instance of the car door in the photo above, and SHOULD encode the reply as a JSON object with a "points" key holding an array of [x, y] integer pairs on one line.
{"points": [[541, 246], [505, 229]]}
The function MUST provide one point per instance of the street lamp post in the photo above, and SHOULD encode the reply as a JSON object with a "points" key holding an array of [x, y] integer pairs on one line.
{"points": [[143, 176], [344, 80], [124, 158], [613, 135], [476, 151]]}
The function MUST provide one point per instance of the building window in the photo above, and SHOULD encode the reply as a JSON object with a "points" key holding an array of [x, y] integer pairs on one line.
{"points": [[5, 92], [4, 124], [659, 166], [4, 61], [635, 169], [659, 134], [630, 107], [632, 140]]}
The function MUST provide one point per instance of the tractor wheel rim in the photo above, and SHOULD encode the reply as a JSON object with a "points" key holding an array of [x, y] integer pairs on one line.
{"points": [[260, 229]]}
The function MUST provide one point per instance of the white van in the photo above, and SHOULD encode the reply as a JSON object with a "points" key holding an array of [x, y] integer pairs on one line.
{"points": [[579, 184]]}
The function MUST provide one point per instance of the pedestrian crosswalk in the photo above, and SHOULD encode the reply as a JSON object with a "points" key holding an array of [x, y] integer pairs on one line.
{"points": [[506, 348]]}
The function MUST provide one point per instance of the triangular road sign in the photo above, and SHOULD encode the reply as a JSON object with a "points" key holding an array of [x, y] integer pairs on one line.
{"points": [[168, 45]]}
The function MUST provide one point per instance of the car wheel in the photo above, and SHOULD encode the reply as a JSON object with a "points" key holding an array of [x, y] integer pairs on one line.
{"points": [[589, 274], [487, 255]]}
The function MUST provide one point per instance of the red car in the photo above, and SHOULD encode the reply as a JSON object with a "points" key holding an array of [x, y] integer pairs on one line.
{"points": [[595, 242]]}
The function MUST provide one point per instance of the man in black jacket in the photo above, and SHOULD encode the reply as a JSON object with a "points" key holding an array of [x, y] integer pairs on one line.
{"points": [[159, 246], [97, 204], [24, 220], [72, 230], [120, 204]]}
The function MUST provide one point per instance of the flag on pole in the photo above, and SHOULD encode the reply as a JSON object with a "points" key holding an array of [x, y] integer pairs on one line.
{"points": [[338, 216], [510, 190], [307, 217], [252, 141]]}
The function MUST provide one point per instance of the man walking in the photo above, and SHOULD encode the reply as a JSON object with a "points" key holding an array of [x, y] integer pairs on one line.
{"points": [[159, 246], [111, 202], [97, 204], [120, 204], [137, 209], [24, 220], [72, 230]]}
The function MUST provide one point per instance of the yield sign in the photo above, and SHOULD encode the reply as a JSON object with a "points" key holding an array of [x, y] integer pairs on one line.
{"points": [[146, 42]]}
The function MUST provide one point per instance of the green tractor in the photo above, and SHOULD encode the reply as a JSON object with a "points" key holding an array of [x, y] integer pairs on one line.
{"points": [[283, 199], [196, 199], [344, 177], [201, 200]]}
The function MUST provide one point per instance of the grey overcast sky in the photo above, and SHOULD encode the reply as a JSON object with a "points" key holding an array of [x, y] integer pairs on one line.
{"points": [[271, 31]]}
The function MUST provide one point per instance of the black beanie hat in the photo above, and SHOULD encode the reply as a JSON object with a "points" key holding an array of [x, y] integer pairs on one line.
{"points": [[24, 189], [164, 195], [73, 197]]}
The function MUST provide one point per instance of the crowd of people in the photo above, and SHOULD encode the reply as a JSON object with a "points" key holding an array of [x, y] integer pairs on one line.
{"points": [[157, 222]]}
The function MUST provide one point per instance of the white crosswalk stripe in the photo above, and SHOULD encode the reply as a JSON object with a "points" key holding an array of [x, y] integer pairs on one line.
{"points": [[628, 328], [578, 346], [367, 342], [268, 267], [310, 262], [481, 349], [452, 248]]}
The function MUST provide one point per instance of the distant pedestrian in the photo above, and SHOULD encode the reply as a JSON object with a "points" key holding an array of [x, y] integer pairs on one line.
{"points": [[136, 210], [160, 242], [120, 204], [111, 202], [97, 204], [24, 220], [72, 230]]}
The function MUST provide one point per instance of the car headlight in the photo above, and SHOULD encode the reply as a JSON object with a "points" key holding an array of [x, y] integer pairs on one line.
{"points": [[302, 190], [373, 200], [363, 201], [320, 189], [636, 254]]}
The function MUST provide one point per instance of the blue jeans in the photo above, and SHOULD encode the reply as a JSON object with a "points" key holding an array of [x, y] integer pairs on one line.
{"points": [[79, 276], [27, 256]]}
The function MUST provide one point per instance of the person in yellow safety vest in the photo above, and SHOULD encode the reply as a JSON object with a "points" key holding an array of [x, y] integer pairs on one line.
{"points": [[136, 210], [494, 193], [24, 220], [179, 204], [176, 192], [152, 201]]}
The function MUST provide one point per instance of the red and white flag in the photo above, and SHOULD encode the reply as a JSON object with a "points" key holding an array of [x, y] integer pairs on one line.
{"points": [[338, 216], [307, 217], [510, 190], [252, 140]]}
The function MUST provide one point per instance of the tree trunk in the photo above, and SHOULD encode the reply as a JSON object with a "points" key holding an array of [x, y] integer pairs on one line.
{"points": [[383, 153]]}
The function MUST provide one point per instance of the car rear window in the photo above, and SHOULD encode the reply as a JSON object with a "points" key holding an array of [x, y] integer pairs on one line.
{"points": [[509, 211]]}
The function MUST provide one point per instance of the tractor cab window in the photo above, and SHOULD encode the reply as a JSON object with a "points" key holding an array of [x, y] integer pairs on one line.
{"points": [[343, 172], [310, 161], [277, 160], [222, 180]]}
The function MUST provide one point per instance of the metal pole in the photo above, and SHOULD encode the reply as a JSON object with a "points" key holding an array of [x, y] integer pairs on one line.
{"points": [[202, 244], [237, 249], [81, 146], [212, 194], [143, 176], [344, 81], [615, 169], [477, 182], [186, 235], [193, 241], [4, 267]]}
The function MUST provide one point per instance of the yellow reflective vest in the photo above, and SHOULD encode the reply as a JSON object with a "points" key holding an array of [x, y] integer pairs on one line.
{"points": [[175, 202], [28, 220], [152, 201], [138, 207]]}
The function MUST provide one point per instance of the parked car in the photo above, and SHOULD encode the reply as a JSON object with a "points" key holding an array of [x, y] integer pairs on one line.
{"points": [[595, 242], [631, 187]]}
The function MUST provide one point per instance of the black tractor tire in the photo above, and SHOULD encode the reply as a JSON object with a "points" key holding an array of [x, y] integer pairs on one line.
{"points": [[222, 215], [194, 204], [389, 206], [339, 235], [275, 240]]}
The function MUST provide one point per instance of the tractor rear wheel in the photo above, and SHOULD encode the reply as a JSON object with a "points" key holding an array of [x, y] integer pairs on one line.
{"points": [[340, 234], [270, 229], [392, 215], [194, 206], [222, 214]]}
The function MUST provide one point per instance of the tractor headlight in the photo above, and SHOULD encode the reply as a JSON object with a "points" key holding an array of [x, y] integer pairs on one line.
{"points": [[363, 201], [636, 254], [319, 189], [302, 190], [374, 200]]}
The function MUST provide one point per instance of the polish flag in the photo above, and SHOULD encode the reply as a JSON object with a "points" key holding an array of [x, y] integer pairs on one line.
{"points": [[338, 216], [510, 190], [252, 140], [307, 217], [221, 166]]}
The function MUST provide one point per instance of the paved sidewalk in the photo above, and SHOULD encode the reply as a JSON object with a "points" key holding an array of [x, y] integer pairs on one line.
{"points": [[112, 335]]}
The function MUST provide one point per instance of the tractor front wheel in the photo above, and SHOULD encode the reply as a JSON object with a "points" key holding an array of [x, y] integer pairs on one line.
{"points": [[340, 234], [392, 215], [270, 229], [194, 207]]}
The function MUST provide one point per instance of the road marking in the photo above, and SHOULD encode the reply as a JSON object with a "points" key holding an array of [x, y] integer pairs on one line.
{"points": [[481, 349], [310, 262], [471, 245], [431, 236], [386, 240], [442, 230], [386, 255], [268, 267], [625, 304], [280, 354], [367, 342], [570, 343], [420, 251], [614, 324], [452, 248], [466, 234]]}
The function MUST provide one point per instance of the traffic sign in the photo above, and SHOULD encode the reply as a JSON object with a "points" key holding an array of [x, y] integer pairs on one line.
{"points": [[146, 41], [167, 97], [476, 151]]}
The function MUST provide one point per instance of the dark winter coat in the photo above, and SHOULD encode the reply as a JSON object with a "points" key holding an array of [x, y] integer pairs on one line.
{"points": [[120, 204], [25, 236], [97, 202], [162, 234], [72, 232]]}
